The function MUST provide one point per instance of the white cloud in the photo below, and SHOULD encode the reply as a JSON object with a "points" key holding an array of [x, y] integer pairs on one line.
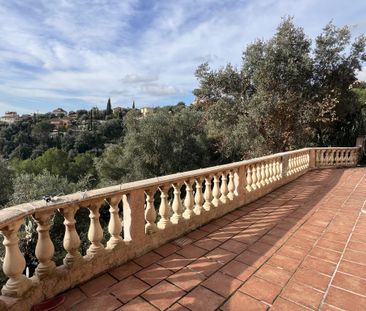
{"points": [[147, 50], [159, 89]]}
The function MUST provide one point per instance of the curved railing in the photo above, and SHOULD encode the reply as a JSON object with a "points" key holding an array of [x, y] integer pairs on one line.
{"points": [[142, 216]]}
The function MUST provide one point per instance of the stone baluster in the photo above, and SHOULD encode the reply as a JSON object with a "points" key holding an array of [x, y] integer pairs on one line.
{"points": [[115, 224], [14, 262], [263, 173], [254, 177], [271, 171], [95, 232], [249, 186], [150, 213], [198, 197], [188, 200], [280, 169], [259, 176], [216, 192], [266, 172], [329, 157], [349, 157], [164, 209], [344, 157], [277, 172], [71, 241], [290, 166], [322, 157], [224, 188], [231, 186], [177, 205], [44, 248], [208, 193]]}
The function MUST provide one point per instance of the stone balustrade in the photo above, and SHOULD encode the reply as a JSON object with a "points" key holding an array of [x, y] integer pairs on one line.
{"points": [[143, 215]]}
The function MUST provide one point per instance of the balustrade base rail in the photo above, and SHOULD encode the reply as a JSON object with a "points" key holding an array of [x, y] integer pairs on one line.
{"points": [[207, 194]]}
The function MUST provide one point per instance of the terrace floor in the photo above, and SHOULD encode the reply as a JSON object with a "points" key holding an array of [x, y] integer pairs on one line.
{"points": [[302, 247]]}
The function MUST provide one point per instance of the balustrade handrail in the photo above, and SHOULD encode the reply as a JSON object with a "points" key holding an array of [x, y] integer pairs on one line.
{"points": [[208, 193], [16, 212]]}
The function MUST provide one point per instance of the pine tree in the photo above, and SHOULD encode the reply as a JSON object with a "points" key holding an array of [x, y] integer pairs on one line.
{"points": [[109, 108], [133, 105]]}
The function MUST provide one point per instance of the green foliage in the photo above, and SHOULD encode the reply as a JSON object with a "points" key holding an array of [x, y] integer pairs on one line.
{"points": [[109, 110], [286, 95], [30, 187], [6, 182], [159, 144]]}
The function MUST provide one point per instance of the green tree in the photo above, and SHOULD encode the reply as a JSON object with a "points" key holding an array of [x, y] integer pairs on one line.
{"points": [[337, 59], [6, 182], [159, 144], [109, 110]]}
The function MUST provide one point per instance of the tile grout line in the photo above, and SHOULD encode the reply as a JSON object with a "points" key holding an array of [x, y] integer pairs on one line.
{"points": [[345, 247], [314, 244]]}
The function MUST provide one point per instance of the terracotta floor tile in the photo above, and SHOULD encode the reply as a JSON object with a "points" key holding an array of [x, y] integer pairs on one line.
{"points": [[197, 234], [261, 289], [285, 305], [231, 217], [174, 262], [326, 307], [125, 270], [192, 252], [333, 245], [345, 300], [263, 249], [234, 246], [207, 243], [312, 278], [177, 307], [220, 255], [167, 249], [238, 270], [284, 262], [240, 302], [246, 237], [355, 256], [292, 252], [153, 274], [137, 304], [251, 259], [128, 288], [302, 294], [220, 236], [350, 283], [319, 265], [97, 285], [273, 274], [163, 295], [186, 279], [339, 237], [205, 266], [147, 259], [73, 296], [222, 284], [221, 222], [300, 243], [97, 303], [202, 299], [325, 254], [357, 246], [209, 228], [352, 268]]}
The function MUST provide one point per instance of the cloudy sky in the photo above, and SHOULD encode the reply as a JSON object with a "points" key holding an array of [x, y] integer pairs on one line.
{"points": [[77, 53]]}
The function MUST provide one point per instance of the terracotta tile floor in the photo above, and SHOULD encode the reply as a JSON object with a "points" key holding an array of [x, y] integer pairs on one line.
{"points": [[302, 247]]}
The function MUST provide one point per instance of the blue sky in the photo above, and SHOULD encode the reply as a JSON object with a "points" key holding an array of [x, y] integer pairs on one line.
{"points": [[77, 53]]}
